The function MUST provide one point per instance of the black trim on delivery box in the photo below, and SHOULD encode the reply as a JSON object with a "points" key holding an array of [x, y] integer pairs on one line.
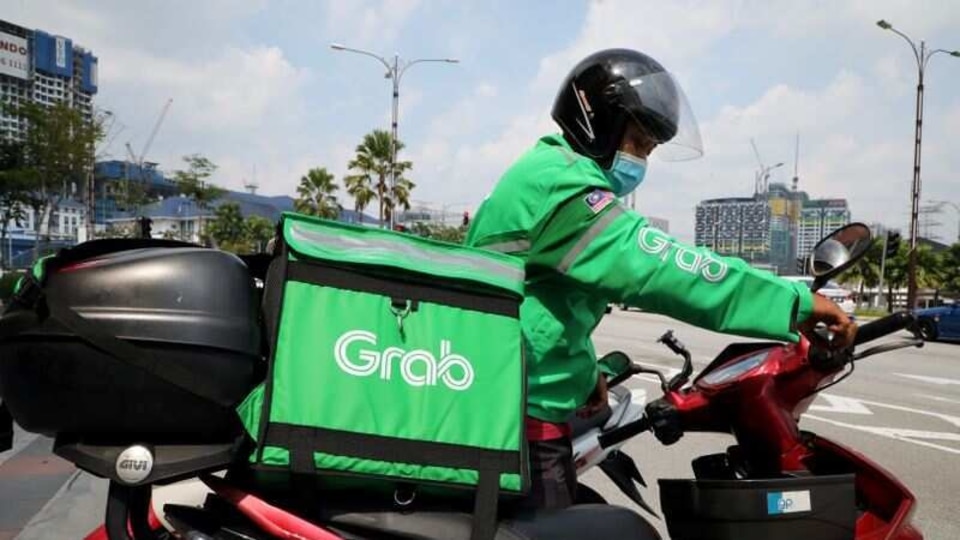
{"points": [[305, 439], [274, 288], [330, 276], [302, 442]]}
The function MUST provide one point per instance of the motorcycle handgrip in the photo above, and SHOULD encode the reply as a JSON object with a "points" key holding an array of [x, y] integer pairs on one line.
{"points": [[882, 327], [623, 433]]}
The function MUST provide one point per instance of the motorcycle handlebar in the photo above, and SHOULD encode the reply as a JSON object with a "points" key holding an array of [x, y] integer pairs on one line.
{"points": [[882, 327], [623, 433]]}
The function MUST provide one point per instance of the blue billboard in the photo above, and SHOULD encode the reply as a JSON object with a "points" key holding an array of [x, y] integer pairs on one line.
{"points": [[52, 55]]}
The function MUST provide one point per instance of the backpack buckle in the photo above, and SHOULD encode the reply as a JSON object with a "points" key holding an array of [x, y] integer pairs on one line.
{"points": [[401, 314]]}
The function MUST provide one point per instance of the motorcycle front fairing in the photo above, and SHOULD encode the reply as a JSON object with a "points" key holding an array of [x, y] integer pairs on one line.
{"points": [[886, 505], [773, 386]]}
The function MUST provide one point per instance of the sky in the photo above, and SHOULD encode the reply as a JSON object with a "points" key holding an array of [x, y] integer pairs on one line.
{"points": [[257, 89]]}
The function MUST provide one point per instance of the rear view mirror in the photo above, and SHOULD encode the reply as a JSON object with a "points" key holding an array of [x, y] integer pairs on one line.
{"points": [[615, 364], [838, 251]]}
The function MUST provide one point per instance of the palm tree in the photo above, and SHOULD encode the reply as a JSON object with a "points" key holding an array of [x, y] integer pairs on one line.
{"points": [[398, 196], [865, 273], [316, 194], [359, 186], [373, 161]]}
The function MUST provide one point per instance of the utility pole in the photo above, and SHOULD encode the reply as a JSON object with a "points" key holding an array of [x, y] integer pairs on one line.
{"points": [[922, 55], [394, 72], [883, 263]]}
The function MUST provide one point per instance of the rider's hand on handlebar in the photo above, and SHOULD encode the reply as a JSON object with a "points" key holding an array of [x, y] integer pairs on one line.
{"points": [[837, 322], [597, 400]]}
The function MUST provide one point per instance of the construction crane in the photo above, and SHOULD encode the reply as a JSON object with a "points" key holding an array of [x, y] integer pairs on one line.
{"points": [[763, 175], [138, 160]]}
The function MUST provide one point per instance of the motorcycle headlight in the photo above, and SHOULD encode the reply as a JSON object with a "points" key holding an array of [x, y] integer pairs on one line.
{"points": [[735, 369]]}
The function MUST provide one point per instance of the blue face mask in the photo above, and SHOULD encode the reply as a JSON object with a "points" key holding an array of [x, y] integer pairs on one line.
{"points": [[626, 173]]}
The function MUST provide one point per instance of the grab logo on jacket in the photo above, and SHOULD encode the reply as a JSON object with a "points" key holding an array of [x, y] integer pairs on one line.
{"points": [[418, 367], [695, 262]]}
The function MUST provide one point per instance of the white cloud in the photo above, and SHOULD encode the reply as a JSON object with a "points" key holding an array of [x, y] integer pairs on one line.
{"points": [[254, 85], [363, 23], [241, 89], [855, 136]]}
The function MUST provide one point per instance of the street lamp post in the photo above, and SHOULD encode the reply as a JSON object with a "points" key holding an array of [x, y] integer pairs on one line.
{"points": [[922, 56], [395, 72]]}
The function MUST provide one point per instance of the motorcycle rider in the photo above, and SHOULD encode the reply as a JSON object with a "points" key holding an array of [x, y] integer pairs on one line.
{"points": [[557, 208]]}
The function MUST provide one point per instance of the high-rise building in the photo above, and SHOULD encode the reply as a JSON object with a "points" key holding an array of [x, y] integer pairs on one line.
{"points": [[785, 205], [738, 226], [770, 229], [42, 68], [817, 219], [38, 67]]}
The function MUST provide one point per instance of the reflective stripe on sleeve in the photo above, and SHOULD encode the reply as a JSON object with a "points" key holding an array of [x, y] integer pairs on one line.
{"points": [[584, 241]]}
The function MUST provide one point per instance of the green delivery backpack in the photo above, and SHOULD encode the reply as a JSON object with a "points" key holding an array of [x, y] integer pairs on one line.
{"points": [[392, 357]]}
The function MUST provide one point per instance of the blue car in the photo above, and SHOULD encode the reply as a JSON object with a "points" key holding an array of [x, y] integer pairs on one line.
{"points": [[940, 322]]}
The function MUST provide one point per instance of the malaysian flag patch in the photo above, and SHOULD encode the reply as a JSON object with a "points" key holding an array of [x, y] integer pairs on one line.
{"points": [[598, 199]]}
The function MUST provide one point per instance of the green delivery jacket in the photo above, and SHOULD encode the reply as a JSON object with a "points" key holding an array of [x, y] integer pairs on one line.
{"points": [[584, 250]]}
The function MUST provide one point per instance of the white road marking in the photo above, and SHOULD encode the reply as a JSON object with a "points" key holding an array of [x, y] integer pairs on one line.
{"points": [[955, 420], [669, 373], [905, 435], [927, 379], [840, 404], [938, 398]]}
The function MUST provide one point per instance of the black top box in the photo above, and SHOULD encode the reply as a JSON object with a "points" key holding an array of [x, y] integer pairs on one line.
{"points": [[150, 345]]}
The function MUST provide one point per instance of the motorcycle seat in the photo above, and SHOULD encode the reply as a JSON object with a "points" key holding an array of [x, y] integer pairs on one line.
{"points": [[574, 523], [364, 518]]}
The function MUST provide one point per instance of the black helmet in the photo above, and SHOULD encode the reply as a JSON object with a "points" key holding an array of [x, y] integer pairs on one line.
{"points": [[611, 87]]}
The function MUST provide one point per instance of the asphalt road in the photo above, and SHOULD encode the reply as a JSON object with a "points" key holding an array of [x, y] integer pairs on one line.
{"points": [[902, 409]]}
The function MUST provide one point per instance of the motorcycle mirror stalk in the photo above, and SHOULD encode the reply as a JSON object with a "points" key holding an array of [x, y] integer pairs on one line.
{"points": [[618, 367], [681, 378]]}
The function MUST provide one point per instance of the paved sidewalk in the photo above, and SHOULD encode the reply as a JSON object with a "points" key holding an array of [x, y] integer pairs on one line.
{"points": [[29, 479]]}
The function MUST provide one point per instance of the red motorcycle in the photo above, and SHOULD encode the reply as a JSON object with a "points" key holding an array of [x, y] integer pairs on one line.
{"points": [[777, 482]]}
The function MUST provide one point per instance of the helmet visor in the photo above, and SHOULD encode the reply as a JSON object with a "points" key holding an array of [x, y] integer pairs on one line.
{"points": [[660, 109]]}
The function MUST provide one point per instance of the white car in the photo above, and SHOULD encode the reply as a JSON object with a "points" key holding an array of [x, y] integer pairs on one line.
{"points": [[840, 296]]}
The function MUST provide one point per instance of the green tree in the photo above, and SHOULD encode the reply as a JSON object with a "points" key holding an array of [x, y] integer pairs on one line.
{"points": [[866, 273], [192, 182], [227, 228], [895, 272], [373, 161], [258, 231], [316, 194], [14, 192], [398, 196], [950, 270], [437, 231], [119, 230], [57, 156], [131, 194], [360, 187]]}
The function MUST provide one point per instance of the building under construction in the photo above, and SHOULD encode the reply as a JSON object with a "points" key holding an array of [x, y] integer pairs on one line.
{"points": [[769, 229]]}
